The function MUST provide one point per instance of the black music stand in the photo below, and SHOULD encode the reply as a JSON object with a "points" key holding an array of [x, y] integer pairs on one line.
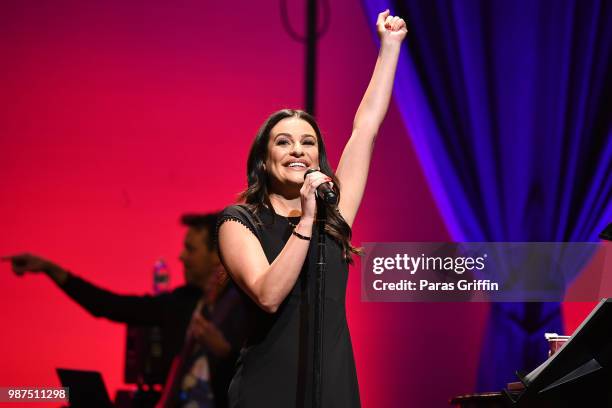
{"points": [[580, 373]]}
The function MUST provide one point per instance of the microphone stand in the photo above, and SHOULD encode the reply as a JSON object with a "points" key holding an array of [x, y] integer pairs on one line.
{"points": [[319, 307]]}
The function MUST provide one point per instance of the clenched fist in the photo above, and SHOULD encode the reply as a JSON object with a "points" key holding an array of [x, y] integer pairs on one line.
{"points": [[391, 29]]}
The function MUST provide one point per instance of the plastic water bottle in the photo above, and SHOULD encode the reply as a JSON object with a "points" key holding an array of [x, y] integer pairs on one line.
{"points": [[161, 277]]}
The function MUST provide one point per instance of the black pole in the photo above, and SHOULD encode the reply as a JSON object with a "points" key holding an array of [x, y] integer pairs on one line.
{"points": [[319, 308], [311, 56], [309, 92]]}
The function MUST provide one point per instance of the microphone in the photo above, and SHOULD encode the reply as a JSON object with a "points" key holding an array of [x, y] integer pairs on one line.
{"points": [[324, 191]]}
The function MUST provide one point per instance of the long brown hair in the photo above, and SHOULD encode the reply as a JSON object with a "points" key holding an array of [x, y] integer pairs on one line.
{"points": [[256, 196]]}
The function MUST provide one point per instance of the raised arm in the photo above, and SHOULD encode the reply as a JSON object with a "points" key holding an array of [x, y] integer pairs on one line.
{"points": [[146, 310], [354, 164]]}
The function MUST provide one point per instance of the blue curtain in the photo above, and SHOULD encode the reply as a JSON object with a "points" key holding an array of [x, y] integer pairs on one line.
{"points": [[508, 104]]}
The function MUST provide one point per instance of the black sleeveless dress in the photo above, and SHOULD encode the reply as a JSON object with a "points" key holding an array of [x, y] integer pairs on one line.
{"points": [[275, 366]]}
